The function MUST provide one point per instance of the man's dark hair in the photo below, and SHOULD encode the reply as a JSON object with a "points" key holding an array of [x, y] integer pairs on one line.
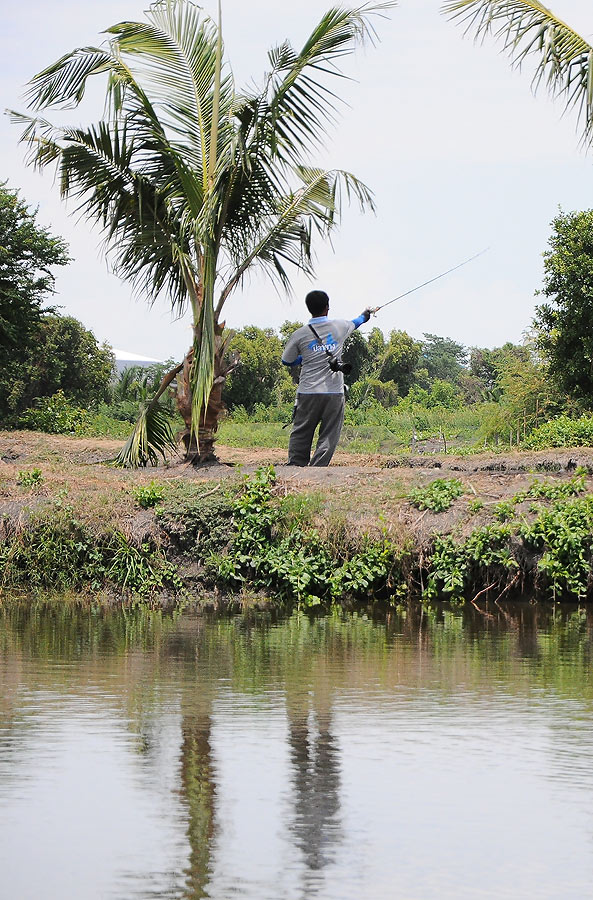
{"points": [[317, 302]]}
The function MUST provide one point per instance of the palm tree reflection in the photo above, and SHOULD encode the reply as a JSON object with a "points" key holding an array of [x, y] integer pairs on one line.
{"points": [[199, 789]]}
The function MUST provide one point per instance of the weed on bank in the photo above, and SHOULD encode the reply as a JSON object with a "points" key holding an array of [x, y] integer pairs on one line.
{"points": [[251, 538]]}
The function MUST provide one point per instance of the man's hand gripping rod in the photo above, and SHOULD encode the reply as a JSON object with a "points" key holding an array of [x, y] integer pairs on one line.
{"points": [[376, 309]]}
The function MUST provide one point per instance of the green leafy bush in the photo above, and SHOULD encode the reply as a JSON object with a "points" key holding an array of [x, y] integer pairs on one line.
{"points": [[288, 558], [58, 415], [552, 490], [564, 537], [438, 496], [455, 568], [149, 495], [562, 432], [504, 510], [30, 479], [54, 415], [58, 551], [554, 553]]}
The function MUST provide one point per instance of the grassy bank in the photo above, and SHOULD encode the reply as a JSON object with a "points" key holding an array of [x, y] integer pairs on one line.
{"points": [[471, 532]]}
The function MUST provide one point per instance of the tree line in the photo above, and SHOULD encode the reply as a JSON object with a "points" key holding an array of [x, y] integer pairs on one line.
{"points": [[436, 371]]}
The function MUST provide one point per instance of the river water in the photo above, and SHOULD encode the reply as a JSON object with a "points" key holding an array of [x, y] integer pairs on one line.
{"points": [[434, 756]]}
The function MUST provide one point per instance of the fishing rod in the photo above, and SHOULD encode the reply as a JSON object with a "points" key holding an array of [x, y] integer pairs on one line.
{"points": [[430, 281]]}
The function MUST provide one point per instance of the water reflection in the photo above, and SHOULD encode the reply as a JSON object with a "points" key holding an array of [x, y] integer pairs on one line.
{"points": [[314, 757], [185, 758], [199, 794]]}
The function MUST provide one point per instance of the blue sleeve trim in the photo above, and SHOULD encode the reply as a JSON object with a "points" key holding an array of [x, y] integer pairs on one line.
{"points": [[358, 321], [296, 362]]}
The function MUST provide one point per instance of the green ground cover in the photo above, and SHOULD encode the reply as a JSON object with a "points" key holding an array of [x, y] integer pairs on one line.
{"points": [[386, 431], [249, 540]]}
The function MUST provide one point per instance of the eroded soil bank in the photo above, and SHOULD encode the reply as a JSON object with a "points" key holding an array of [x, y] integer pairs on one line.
{"points": [[507, 518]]}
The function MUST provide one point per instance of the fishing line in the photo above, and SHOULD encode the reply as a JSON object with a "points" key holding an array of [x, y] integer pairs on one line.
{"points": [[431, 280]]}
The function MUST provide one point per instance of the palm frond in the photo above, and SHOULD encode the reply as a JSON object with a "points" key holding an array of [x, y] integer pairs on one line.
{"points": [[285, 237], [151, 438], [130, 181], [175, 56], [202, 369], [63, 83], [527, 27], [301, 104]]}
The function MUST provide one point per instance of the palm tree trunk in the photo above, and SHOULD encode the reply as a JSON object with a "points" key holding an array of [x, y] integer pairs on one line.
{"points": [[199, 449]]}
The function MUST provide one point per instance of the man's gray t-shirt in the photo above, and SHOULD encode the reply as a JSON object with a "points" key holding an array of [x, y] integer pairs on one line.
{"points": [[316, 375]]}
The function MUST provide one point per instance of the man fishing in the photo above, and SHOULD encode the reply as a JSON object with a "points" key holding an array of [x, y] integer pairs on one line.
{"points": [[317, 349]]}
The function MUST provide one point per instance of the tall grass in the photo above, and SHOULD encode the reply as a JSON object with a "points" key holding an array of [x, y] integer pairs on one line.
{"points": [[366, 430]]}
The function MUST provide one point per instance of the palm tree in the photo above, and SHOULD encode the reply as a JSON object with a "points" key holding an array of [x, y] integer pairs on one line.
{"points": [[527, 27], [194, 183]]}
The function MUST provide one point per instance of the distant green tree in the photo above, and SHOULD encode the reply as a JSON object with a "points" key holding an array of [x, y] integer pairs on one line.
{"points": [[565, 323], [28, 253], [288, 328], [260, 372], [369, 390], [471, 389], [487, 366], [443, 358], [399, 360], [526, 398], [376, 348], [445, 394], [442, 394], [66, 357]]}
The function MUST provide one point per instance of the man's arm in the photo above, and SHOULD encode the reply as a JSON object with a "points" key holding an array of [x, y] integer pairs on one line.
{"points": [[291, 356], [295, 362], [362, 318]]}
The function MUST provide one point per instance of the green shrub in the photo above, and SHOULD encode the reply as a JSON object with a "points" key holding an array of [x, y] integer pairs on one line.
{"points": [[283, 556], [563, 536], [555, 490], [30, 479], [438, 496], [149, 495], [562, 432], [58, 415], [456, 568], [554, 551], [504, 510], [59, 552], [54, 415]]}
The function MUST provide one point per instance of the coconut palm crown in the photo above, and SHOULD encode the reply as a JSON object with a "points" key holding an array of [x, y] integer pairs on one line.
{"points": [[528, 28], [194, 183]]}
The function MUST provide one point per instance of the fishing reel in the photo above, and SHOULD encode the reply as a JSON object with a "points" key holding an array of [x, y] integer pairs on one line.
{"points": [[337, 366]]}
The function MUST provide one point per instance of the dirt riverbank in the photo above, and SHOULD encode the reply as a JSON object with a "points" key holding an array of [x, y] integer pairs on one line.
{"points": [[369, 491], [61, 505]]}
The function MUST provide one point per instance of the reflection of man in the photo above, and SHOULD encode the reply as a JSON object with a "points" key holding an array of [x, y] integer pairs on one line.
{"points": [[315, 762], [317, 348]]}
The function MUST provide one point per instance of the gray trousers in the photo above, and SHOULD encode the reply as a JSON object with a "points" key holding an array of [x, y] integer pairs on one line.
{"points": [[311, 410]]}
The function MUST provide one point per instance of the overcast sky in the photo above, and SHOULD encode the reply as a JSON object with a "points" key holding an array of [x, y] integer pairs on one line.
{"points": [[458, 152]]}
